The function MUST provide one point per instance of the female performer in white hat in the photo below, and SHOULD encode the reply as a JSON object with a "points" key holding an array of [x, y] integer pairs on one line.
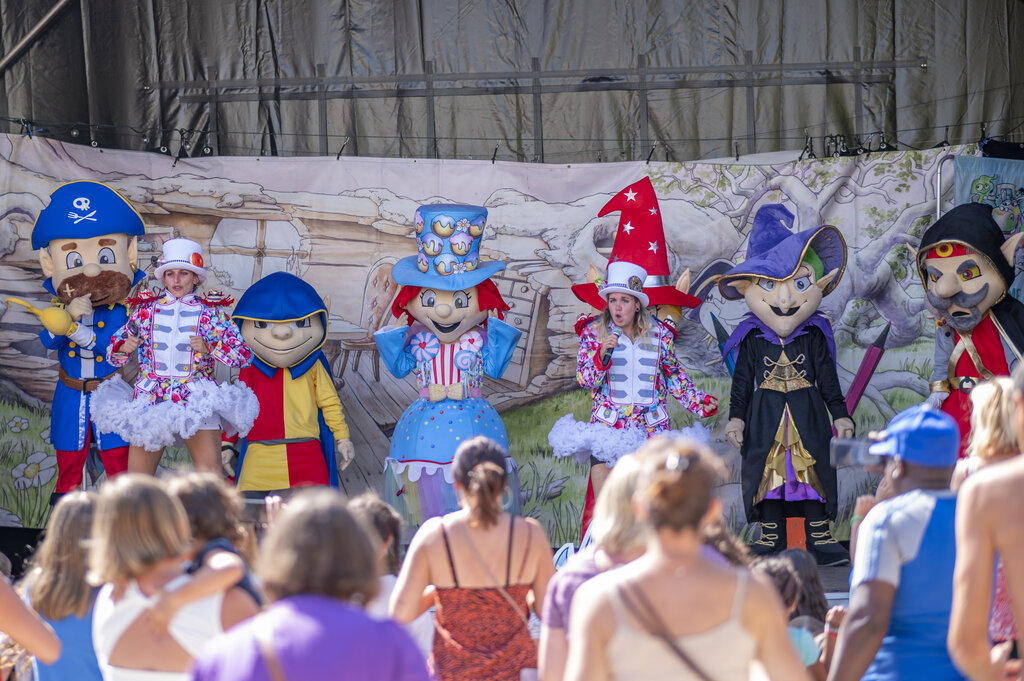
{"points": [[178, 336]]}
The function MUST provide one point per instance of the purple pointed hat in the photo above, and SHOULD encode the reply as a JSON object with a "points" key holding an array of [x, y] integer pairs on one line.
{"points": [[775, 252]]}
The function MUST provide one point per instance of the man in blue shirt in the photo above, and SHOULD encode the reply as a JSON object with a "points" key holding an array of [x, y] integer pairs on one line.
{"points": [[902, 580]]}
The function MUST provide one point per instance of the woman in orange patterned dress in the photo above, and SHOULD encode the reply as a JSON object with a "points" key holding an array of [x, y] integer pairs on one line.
{"points": [[484, 569]]}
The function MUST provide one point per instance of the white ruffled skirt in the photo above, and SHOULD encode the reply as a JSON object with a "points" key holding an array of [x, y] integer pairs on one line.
{"points": [[583, 440], [155, 425]]}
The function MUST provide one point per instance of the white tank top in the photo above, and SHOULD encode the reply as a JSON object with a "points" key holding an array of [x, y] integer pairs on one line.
{"points": [[724, 652], [192, 627]]}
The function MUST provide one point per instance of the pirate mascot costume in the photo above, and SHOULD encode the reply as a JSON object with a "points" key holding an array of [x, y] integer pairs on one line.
{"points": [[966, 266]]}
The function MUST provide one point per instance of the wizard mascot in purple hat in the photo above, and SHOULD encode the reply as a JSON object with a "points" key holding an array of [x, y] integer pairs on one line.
{"points": [[454, 337], [785, 391]]}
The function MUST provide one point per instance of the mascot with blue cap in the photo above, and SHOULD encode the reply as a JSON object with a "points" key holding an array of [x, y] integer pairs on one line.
{"points": [[785, 387], [300, 430], [87, 238], [451, 341]]}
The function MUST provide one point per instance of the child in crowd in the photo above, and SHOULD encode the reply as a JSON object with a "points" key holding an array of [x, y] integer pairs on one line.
{"points": [[781, 573], [221, 543], [214, 513], [55, 587], [178, 336], [387, 525], [812, 606]]}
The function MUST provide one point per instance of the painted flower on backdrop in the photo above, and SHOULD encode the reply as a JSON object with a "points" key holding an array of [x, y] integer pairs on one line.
{"points": [[45, 436], [17, 424], [36, 471]]}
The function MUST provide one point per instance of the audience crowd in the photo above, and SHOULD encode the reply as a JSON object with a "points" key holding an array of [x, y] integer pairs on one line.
{"points": [[153, 580]]}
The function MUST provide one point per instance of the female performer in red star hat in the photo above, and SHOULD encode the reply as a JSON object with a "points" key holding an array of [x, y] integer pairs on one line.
{"points": [[627, 355]]}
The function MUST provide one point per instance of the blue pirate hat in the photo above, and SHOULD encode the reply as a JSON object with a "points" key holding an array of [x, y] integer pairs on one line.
{"points": [[774, 252], [448, 245], [83, 210]]}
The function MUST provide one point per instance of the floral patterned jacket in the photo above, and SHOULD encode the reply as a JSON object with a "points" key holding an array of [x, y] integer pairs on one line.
{"points": [[167, 363], [632, 390]]}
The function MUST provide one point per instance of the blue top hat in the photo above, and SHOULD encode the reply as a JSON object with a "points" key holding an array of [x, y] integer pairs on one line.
{"points": [[83, 210], [774, 252], [920, 435], [448, 241]]}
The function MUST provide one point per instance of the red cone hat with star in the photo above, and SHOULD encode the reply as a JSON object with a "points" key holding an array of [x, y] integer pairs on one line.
{"points": [[640, 240]]}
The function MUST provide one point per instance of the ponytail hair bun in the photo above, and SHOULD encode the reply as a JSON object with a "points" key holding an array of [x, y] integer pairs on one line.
{"points": [[479, 467], [679, 481]]}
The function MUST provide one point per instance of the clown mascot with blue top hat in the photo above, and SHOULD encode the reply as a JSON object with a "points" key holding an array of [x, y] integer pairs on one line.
{"points": [[87, 238], [450, 343], [785, 387], [300, 429]]}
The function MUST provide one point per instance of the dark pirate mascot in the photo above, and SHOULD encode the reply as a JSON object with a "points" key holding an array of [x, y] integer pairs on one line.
{"points": [[967, 267]]}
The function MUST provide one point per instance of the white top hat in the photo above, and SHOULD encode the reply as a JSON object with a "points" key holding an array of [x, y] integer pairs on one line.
{"points": [[181, 254], [625, 277]]}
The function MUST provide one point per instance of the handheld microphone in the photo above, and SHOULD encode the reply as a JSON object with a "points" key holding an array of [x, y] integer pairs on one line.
{"points": [[606, 358]]}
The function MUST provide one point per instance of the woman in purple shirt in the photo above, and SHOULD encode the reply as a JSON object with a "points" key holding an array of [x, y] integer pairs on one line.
{"points": [[317, 561]]}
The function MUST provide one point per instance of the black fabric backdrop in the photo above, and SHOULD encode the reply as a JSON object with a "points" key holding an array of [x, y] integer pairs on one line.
{"points": [[102, 62]]}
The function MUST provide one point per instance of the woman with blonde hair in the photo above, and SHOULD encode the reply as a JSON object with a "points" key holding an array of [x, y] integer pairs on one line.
{"points": [[672, 613], [488, 569], [992, 440], [618, 538], [140, 536], [55, 587], [319, 566]]}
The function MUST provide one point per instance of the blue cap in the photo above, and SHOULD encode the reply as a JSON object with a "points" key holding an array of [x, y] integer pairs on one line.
{"points": [[920, 435], [83, 210]]}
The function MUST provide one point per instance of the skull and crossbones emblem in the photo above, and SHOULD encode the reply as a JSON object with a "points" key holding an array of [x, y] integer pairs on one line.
{"points": [[82, 204]]}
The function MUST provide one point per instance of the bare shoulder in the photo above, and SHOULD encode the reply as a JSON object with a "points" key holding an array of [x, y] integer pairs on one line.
{"points": [[237, 606], [429, 534], [592, 595], [761, 603], [996, 486], [536, 530]]}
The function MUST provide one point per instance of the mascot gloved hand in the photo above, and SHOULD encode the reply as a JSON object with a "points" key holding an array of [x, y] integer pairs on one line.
{"points": [[284, 321], [785, 387], [967, 267], [346, 453]]}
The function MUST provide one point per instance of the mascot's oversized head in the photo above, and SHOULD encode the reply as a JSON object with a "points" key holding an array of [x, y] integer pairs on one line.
{"points": [[786, 274], [87, 238], [445, 287], [283, 320], [965, 264]]}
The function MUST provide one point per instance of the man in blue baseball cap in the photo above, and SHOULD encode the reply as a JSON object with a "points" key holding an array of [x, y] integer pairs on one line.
{"points": [[87, 241], [902, 581]]}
